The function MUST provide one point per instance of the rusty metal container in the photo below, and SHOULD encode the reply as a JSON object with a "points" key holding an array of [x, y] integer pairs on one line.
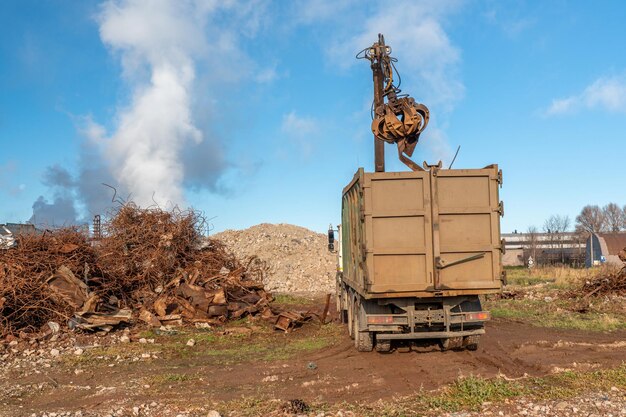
{"points": [[423, 233]]}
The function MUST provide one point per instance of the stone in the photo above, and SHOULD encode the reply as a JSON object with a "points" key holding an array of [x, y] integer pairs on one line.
{"points": [[213, 413], [191, 342], [55, 352], [125, 339], [561, 406], [78, 352]]}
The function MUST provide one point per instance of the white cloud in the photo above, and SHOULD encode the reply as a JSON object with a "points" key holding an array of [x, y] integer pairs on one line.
{"points": [[437, 144], [301, 130], [266, 75], [507, 20], [426, 56], [607, 93], [313, 11], [428, 60]]}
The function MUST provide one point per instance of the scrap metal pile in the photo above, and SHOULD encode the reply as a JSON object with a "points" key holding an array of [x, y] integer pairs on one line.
{"points": [[150, 265], [607, 284]]}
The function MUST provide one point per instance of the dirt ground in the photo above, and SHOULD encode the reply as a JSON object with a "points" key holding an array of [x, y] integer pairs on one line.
{"points": [[252, 362]]}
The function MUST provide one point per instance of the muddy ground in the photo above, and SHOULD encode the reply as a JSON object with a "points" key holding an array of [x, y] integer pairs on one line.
{"points": [[248, 361]]}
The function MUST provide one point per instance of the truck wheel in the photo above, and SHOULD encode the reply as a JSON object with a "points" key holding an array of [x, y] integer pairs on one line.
{"points": [[350, 315], [471, 342], [383, 346], [338, 296], [451, 343], [363, 341], [341, 307]]}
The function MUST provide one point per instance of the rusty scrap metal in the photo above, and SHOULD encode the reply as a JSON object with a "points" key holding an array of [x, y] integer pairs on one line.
{"points": [[148, 267], [400, 119], [289, 320]]}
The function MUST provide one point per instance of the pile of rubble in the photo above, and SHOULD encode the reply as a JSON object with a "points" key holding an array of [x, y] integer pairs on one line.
{"points": [[610, 284], [295, 259], [151, 265]]}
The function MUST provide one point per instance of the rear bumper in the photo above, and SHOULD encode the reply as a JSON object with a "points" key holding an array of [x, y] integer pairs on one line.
{"points": [[429, 335], [441, 323]]}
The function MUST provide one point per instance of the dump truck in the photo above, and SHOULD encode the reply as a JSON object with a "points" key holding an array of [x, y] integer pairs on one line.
{"points": [[417, 249]]}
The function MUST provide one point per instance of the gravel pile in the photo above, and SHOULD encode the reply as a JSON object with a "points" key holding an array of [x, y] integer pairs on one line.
{"points": [[296, 259]]}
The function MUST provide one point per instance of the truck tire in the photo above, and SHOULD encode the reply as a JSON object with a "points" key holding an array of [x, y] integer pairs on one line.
{"points": [[350, 307], [344, 305], [471, 342], [383, 345], [451, 343], [363, 341]]}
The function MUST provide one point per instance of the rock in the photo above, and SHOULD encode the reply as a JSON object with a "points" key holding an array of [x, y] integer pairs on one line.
{"points": [[561, 406], [125, 339], [213, 413], [78, 352], [145, 355], [54, 352], [143, 340], [191, 342]]}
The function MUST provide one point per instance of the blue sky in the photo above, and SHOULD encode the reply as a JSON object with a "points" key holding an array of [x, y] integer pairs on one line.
{"points": [[258, 112]]}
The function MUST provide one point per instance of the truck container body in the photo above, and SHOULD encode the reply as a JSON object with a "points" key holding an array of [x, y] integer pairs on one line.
{"points": [[417, 250]]}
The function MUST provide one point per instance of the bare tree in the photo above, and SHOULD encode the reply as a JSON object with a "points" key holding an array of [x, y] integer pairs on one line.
{"points": [[590, 220], [531, 243], [556, 226], [551, 226], [614, 217]]}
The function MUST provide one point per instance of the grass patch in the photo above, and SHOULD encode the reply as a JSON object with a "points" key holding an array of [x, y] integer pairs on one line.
{"points": [[261, 344], [520, 275], [272, 348], [557, 314], [465, 394], [471, 392], [289, 299], [560, 276]]}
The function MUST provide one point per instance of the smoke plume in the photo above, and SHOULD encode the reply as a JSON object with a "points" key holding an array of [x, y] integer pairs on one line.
{"points": [[159, 141], [155, 40]]}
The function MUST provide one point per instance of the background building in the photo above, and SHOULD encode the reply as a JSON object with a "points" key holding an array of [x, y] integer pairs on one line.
{"points": [[545, 248], [605, 248]]}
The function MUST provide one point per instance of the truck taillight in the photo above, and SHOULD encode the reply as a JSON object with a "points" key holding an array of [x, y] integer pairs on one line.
{"points": [[478, 316], [379, 319]]}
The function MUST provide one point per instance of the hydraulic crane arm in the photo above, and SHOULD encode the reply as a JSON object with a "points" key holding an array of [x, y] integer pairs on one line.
{"points": [[399, 119]]}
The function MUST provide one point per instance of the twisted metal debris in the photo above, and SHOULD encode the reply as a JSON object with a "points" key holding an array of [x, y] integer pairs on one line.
{"points": [[150, 265]]}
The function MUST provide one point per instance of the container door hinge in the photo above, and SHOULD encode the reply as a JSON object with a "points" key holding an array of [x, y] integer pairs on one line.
{"points": [[503, 246], [500, 178], [500, 208]]}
